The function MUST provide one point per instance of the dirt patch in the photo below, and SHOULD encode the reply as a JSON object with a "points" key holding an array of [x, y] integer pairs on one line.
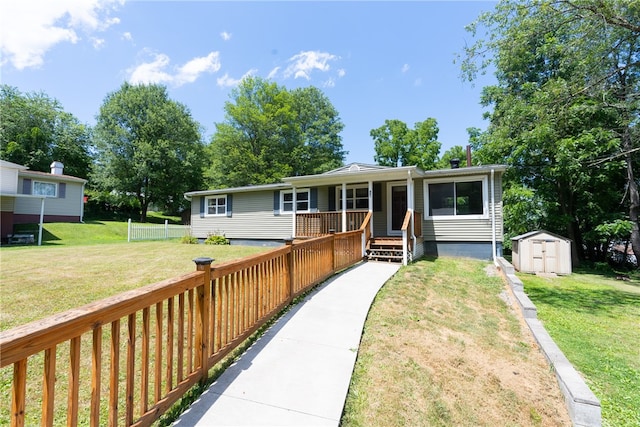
{"points": [[450, 351]]}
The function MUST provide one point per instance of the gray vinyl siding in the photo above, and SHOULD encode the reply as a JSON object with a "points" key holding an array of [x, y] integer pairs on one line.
{"points": [[462, 229], [8, 180], [252, 218], [70, 205], [323, 199]]}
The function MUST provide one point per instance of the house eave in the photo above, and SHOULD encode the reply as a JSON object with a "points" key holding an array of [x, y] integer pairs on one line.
{"points": [[49, 176], [246, 189], [356, 176]]}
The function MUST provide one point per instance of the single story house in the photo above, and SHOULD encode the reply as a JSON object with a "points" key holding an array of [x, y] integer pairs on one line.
{"points": [[455, 211], [28, 196]]}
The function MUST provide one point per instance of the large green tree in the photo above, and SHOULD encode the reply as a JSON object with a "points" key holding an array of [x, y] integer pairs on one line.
{"points": [[397, 145], [565, 112], [35, 131], [270, 132], [148, 146]]}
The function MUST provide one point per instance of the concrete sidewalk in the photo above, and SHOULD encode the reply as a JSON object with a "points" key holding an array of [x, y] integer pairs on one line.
{"points": [[298, 372]]}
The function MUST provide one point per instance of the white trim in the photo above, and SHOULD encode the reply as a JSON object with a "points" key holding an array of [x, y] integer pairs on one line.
{"points": [[390, 185], [294, 202], [485, 198], [354, 187], [217, 196]]}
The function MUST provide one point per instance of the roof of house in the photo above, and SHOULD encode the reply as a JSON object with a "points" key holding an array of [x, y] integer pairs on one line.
{"points": [[354, 173], [46, 175]]}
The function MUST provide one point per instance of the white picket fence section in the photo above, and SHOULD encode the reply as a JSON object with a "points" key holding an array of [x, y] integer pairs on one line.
{"points": [[156, 231]]}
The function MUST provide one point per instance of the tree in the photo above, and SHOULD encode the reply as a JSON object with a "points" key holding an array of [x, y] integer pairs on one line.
{"points": [[148, 146], [35, 131], [397, 145], [270, 132], [455, 152], [565, 109]]}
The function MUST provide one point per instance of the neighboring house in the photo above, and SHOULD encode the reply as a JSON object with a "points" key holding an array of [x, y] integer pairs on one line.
{"points": [[454, 211], [31, 197]]}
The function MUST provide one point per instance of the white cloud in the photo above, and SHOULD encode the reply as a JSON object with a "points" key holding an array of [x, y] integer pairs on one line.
{"points": [[273, 73], [155, 70], [127, 36], [29, 28], [97, 43], [417, 82], [405, 68], [304, 63], [225, 36], [228, 81], [330, 82], [342, 72]]}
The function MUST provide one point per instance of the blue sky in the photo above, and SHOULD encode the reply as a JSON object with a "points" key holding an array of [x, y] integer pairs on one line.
{"points": [[374, 60]]}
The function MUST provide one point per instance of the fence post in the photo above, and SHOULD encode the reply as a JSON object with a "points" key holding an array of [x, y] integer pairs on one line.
{"points": [[129, 230], [166, 229], [290, 266], [332, 233], [203, 304]]}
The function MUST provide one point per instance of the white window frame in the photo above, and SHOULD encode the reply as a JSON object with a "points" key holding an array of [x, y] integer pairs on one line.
{"points": [[294, 203], [485, 198], [354, 198], [216, 197], [35, 193]]}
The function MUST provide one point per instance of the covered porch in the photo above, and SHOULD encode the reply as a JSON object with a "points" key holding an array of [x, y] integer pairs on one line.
{"points": [[378, 200]]}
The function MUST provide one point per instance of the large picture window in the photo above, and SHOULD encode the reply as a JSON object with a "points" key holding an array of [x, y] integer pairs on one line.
{"points": [[301, 200], [459, 198], [357, 198], [45, 189], [216, 205]]}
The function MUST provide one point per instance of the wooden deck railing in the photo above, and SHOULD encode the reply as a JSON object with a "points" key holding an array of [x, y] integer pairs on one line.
{"points": [[321, 223], [126, 359]]}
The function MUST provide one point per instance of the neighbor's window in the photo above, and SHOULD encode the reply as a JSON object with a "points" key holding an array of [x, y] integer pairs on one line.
{"points": [[357, 197], [44, 188], [217, 205], [456, 198], [302, 201]]}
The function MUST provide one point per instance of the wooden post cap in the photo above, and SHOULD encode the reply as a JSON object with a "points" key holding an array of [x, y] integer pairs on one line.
{"points": [[203, 261]]}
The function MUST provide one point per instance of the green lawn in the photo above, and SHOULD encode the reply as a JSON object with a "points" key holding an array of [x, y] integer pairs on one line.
{"points": [[595, 320]]}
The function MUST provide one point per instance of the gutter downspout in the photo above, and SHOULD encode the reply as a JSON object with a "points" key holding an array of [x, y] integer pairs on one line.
{"points": [[82, 204], [493, 218]]}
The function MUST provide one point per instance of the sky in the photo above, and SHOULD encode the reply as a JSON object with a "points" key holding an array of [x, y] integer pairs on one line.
{"points": [[374, 60]]}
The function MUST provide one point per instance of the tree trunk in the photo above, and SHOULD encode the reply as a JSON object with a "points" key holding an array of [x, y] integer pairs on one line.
{"points": [[634, 197]]}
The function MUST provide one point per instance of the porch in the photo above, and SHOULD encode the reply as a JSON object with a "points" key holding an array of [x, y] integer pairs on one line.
{"points": [[403, 247]]}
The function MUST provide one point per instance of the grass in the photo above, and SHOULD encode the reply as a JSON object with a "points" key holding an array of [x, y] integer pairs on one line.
{"points": [[64, 274], [595, 320], [441, 348]]}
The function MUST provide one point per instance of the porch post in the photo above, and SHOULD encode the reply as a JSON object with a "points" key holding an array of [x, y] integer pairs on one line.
{"points": [[293, 214], [344, 207], [371, 206]]}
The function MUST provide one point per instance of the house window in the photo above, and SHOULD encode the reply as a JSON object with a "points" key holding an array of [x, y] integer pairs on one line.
{"points": [[216, 205], [357, 198], [301, 200], [45, 189], [458, 198]]}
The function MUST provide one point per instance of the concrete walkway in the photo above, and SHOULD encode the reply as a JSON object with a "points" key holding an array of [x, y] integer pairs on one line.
{"points": [[298, 372]]}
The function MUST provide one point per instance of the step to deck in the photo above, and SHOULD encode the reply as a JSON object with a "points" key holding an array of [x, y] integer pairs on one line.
{"points": [[385, 249]]}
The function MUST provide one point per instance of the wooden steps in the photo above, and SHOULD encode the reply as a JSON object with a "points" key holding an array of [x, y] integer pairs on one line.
{"points": [[385, 249]]}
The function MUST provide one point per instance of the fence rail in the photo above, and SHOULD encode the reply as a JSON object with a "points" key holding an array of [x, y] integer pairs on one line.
{"points": [[156, 231], [126, 359]]}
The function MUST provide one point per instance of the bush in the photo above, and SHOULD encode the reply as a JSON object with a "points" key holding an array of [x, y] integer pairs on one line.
{"points": [[189, 239], [216, 239]]}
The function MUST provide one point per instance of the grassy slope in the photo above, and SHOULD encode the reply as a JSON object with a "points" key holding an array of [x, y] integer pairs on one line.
{"points": [[596, 322], [442, 348]]}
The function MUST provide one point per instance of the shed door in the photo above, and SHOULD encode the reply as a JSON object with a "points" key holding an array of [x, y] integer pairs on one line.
{"points": [[544, 254]]}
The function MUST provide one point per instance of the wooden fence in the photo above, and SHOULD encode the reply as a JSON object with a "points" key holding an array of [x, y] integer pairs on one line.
{"points": [[156, 231], [322, 223], [126, 359]]}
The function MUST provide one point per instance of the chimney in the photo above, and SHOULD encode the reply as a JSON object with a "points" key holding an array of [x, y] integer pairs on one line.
{"points": [[468, 156], [57, 168], [455, 163]]}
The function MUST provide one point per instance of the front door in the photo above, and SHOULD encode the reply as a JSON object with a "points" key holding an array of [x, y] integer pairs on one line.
{"points": [[397, 208]]}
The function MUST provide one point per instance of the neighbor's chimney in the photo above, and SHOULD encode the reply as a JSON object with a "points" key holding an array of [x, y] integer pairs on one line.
{"points": [[57, 168], [455, 163]]}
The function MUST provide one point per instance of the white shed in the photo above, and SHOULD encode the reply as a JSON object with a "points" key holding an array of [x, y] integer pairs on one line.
{"points": [[541, 252]]}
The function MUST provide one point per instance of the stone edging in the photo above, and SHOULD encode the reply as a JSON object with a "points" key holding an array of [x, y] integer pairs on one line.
{"points": [[583, 405]]}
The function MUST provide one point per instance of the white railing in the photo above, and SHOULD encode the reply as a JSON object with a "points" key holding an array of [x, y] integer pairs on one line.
{"points": [[156, 231]]}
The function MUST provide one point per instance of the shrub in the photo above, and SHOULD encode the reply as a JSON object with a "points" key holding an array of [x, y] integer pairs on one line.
{"points": [[189, 239], [216, 239]]}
